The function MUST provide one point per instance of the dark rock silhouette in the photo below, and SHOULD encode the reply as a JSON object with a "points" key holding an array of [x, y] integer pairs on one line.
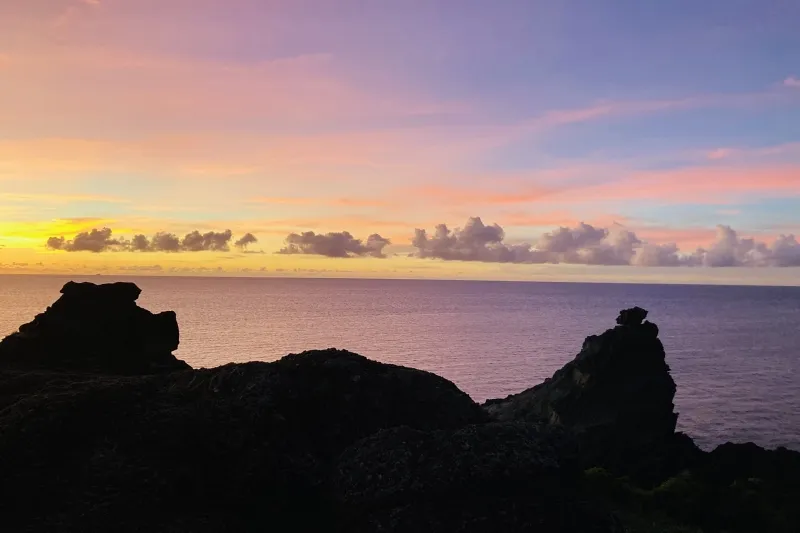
{"points": [[616, 395], [632, 317], [99, 432], [238, 446], [96, 328], [479, 478]]}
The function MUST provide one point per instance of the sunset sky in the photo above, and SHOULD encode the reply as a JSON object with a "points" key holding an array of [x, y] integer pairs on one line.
{"points": [[652, 123]]}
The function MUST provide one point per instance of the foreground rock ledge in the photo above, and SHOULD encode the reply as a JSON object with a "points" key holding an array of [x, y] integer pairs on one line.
{"points": [[104, 430]]}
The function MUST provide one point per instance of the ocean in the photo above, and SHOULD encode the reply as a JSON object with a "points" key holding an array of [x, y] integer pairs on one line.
{"points": [[734, 351]]}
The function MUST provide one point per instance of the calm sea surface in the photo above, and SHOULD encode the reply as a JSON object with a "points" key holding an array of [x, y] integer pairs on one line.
{"points": [[734, 351]]}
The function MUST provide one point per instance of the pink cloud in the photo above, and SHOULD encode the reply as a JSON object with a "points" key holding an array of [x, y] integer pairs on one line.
{"points": [[720, 153], [695, 184], [686, 239], [545, 219], [743, 154], [455, 196], [791, 81], [704, 184]]}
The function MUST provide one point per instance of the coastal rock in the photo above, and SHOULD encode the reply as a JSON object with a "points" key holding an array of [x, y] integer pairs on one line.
{"points": [[98, 329], [242, 446], [487, 478], [616, 395], [97, 435]]}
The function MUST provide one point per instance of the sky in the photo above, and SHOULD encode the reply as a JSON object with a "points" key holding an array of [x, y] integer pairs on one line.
{"points": [[580, 140]]}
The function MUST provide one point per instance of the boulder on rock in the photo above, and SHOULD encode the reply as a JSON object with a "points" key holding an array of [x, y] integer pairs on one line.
{"points": [[98, 329], [632, 317], [616, 395]]}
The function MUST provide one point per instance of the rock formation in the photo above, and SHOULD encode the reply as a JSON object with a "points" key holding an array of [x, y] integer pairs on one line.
{"points": [[616, 395], [96, 328], [98, 432], [231, 448]]}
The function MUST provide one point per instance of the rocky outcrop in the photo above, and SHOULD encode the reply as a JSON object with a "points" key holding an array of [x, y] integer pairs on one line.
{"points": [[99, 433], [235, 448], [96, 328], [616, 395]]}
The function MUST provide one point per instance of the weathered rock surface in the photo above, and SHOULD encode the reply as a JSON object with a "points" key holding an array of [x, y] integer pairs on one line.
{"points": [[96, 328], [485, 478], [616, 395]]}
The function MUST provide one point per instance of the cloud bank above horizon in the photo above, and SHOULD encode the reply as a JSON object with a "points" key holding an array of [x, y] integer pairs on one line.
{"points": [[102, 240], [583, 244], [589, 245]]}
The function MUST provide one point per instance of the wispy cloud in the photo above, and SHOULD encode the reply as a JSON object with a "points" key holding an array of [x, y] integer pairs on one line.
{"points": [[458, 196], [703, 185], [792, 82], [299, 200], [60, 199], [720, 153], [744, 153]]}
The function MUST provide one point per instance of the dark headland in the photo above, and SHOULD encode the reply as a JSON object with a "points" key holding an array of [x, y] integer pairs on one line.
{"points": [[103, 429]]}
